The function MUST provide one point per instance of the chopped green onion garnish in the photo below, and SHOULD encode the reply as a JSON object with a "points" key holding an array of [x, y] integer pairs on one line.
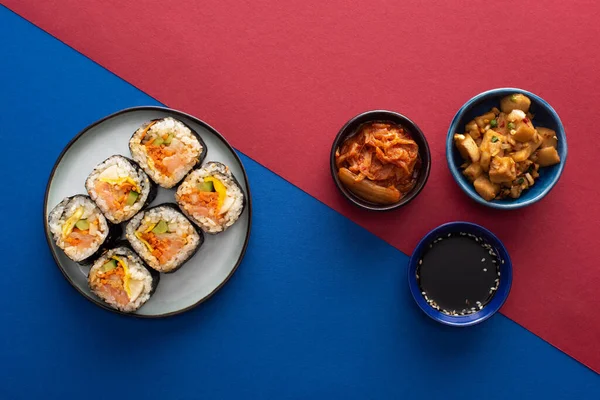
{"points": [[511, 125], [493, 123], [494, 139], [513, 98], [520, 181]]}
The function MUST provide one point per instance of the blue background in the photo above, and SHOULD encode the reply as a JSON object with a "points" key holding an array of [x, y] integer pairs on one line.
{"points": [[319, 308]]}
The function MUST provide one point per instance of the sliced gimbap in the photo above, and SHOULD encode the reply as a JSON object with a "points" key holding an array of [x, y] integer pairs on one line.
{"points": [[80, 229], [120, 278], [120, 188], [163, 237], [167, 150], [211, 197]]}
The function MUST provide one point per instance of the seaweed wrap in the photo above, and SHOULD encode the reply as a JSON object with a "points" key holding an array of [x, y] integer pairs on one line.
{"points": [[120, 188], [120, 279], [163, 237], [211, 198], [79, 228], [167, 149]]}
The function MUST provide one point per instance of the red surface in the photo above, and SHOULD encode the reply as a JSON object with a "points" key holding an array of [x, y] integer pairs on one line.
{"points": [[279, 79]]}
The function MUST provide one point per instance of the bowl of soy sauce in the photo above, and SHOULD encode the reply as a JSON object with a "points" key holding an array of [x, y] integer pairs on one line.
{"points": [[460, 274]]}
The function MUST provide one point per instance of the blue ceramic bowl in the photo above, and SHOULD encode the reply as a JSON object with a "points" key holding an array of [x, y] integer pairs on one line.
{"points": [[544, 115], [505, 274]]}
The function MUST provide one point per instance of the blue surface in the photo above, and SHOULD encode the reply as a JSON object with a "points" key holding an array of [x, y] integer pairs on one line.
{"points": [[318, 309], [544, 116], [505, 270]]}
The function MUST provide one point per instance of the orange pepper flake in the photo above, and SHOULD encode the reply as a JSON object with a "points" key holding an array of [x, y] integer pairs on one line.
{"points": [[158, 153], [206, 199], [116, 283]]}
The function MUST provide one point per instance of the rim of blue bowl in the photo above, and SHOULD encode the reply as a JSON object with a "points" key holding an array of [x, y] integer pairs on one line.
{"points": [[502, 292], [467, 187]]}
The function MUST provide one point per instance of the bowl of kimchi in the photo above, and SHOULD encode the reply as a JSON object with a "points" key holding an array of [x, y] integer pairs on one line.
{"points": [[380, 160]]}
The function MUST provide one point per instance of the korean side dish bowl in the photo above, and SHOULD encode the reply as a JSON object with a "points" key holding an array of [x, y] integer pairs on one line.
{"points": [[460, 274], [380, 160], [506, 148]]}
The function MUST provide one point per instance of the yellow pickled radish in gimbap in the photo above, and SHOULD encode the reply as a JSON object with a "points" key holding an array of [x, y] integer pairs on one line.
{"points": [[120, 188], [163, 237], [120, 279], [167, 149], [211, 197], [79, 228]]}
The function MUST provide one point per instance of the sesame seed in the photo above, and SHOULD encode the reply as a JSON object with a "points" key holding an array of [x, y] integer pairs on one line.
{"points": [[483, 260], [485, 270], [420, 261]]}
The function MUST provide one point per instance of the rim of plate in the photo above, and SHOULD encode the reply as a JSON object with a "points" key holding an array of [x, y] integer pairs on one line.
{"points": [[116, 114]]}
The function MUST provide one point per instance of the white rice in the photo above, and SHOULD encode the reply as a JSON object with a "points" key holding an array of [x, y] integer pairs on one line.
{"points": [[125, 169], [233, 204], [184, 141], [174, 219], [61, 213], [137, 271]]}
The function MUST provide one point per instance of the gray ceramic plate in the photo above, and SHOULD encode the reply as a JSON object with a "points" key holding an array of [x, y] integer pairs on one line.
{"points": [[219, 256]]}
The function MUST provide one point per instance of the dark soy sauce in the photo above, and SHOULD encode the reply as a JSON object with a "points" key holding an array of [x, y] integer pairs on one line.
{"points": [[458, 274]]}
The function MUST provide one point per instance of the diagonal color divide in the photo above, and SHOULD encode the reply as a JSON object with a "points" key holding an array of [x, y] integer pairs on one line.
{"points": [[280, 78]]}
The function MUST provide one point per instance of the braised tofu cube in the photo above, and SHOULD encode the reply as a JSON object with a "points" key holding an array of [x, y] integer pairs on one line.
{"points": [[522, 154], [549, 138], [467, 147], [527, 150], [492, 143], [473, 171], [524, 132], [485, 188], [473, 130], [502, 169], [485, 119], [485, 160], [547, 156], [515, 101]]}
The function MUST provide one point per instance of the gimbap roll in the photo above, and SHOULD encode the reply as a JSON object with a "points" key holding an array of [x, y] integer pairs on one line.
{"points": [[120, 278], [163, 237], [167, 150], [211, 197], [80, 229], [120, 188]]}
